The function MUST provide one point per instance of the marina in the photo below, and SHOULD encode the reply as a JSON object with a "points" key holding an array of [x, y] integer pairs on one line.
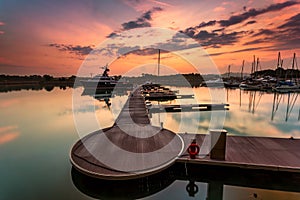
{"points": [[150, 100], [249, 153], [171, 181]]}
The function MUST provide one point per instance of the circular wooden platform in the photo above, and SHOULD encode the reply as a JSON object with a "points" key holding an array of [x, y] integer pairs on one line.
{"points": [[113, 154]]}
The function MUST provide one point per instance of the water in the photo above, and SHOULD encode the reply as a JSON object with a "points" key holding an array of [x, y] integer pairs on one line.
{"points": [[37, 130]]}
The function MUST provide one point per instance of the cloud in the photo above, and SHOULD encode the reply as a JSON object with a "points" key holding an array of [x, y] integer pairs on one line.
{"points": [[218, 30], [219, 9], [253, 13], [251, 22], [285, 36], [2, 23], [214, 39], [142, 21], [205, 24], [145, 52], [238, 51], [293, 22], [1, 32], [78, 50], [264, 32], [192, 30]]}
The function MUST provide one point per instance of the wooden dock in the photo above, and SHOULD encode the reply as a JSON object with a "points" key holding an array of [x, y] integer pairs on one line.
{"points": [[187, 108], [133, 148], [272, 154]]}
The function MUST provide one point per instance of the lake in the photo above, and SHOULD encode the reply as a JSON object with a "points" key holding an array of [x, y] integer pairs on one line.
{"points": [[37, 130]]}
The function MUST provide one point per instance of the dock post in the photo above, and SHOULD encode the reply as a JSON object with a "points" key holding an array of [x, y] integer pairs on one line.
{"points": [[218, 144]]}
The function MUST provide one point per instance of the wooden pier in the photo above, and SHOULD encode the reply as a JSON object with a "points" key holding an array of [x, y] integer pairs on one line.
{"points": [[124, 151], [272, 154], [133, 148], [187, 108]]}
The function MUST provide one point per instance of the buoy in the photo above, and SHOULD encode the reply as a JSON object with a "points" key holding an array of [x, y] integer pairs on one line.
{"points": [[193, 149]]}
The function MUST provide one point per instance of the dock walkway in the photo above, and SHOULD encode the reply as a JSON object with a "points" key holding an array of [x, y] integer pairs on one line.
{"points": [[275, 154], [133, 148]]}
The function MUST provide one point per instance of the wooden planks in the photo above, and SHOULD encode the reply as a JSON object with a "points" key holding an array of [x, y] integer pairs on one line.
{"points": [[277, 154], [131, 148]]}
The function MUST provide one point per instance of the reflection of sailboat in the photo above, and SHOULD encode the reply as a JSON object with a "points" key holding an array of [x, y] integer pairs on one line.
{"points": [[291, 100], [254, 101], [104, 95]]}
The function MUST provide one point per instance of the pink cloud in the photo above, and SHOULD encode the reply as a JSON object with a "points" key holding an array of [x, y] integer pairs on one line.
{"points": [[219, 9], [2, 23], [1, 32], [8, 133]]}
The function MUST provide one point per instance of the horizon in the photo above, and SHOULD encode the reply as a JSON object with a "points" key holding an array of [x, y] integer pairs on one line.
{"points": [[41, 37]]}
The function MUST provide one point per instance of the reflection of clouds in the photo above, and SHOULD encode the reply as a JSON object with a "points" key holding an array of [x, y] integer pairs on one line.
{"points": [[8, 102], [81, 109], [8, 133], [239, 121]]}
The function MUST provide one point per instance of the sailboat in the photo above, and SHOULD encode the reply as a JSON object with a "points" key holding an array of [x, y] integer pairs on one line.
{"points": [[288, 85], [231, 83]]}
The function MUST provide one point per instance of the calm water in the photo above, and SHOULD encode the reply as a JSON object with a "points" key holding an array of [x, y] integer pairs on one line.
{"points": [[37, 130]]}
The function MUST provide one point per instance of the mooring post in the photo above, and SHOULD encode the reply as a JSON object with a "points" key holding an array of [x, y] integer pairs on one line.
{"points": [[218, 144]]}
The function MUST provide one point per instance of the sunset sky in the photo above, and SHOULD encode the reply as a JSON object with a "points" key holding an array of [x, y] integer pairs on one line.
{"points": [[54, 37]]}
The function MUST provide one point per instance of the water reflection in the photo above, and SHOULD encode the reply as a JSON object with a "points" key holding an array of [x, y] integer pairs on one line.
{"points": [[42, 131], [187, 181]]}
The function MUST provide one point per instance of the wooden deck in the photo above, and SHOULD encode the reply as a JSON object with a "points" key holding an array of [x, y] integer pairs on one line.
{"points": [[131, 148], [276, 154]]}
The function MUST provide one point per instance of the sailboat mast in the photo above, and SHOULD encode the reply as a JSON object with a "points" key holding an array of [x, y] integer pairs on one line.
{"points": [[228, 71], [278, 60], [158, 66], [257, 63], [242, 71], [293, 65]]}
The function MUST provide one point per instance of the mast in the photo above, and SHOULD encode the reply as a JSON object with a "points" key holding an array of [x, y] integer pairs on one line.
{"points": [[228, 71], [158, 66], [257, 63], [293, 68], [242, 71], [294, 58], [253, 67], [279, 61]]}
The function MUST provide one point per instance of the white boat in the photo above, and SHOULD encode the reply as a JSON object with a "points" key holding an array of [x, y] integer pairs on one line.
{"points": [[214, 83], [287, 86]]}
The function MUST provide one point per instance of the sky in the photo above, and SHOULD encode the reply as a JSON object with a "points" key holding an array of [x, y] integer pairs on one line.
{"points": [[60, 37]]}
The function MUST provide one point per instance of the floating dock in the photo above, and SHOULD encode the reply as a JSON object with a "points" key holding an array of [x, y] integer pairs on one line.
{"points": [[133, 148]]}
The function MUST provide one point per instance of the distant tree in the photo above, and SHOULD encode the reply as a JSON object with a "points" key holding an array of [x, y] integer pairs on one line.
{"points": [[49, 88], [47, 77]]}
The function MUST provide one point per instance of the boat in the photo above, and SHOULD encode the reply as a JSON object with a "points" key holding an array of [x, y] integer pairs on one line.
{"points": [[214, 83], [286, 86], [230, 82], [104, 82]]}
